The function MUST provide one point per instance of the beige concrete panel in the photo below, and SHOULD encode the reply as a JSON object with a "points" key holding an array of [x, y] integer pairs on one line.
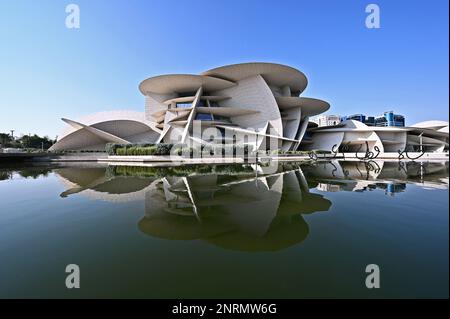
{"points": [[145, 137], [251, 132], [276, 75], [182, 83], [183, 123], [276, 91], [125, 129], [310, 106], [354, 140], [324, 141], [291, 121], [179, 116], [253, 93], [301, 132], [159, 113], [184, 99], [192, 115], [226, 111], [174, 134], [166, 129], [393, 141], [443, 130], [102, 134], [286, 90], [429, 144], [81, 139], [435, 125], [302, 129], [99, 117], [154, 103]]}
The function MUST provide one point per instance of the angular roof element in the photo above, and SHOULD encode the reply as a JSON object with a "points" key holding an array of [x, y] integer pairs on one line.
{"points": [[274, 74], [182, 83], [309, 106], [436, 125]]}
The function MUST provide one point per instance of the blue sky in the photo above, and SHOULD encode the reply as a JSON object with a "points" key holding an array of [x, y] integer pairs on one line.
{"points": [[48, 71]]}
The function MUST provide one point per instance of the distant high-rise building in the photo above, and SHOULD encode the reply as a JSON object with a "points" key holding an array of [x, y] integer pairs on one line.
{"points": [[328, 120], [390, 119], [387, 119]]}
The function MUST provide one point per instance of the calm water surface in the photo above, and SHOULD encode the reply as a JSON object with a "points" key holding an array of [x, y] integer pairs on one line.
{"points": [[306, 230]]}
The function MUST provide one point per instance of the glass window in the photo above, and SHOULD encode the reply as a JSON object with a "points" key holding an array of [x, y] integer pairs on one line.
{"points": [[201, 103], [214, 104], [189, 104], [203, 117], [222, 118]]}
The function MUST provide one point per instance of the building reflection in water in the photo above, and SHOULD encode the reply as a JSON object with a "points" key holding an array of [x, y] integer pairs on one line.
{"points": [[250, 214], [234, 208], [393, 177]]}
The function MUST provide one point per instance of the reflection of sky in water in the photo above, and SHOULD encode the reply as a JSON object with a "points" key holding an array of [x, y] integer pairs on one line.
{"points": [[316, 224]]}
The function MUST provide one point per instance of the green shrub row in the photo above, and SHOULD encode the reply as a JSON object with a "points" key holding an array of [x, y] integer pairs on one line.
{"points": [[187, 151], [111, 148], [184, 170], [140, 149], [180, 149]]}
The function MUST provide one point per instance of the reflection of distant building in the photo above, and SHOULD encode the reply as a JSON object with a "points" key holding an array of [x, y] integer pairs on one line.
{"points": [[392, 188], [325, 187], [390, 176]]}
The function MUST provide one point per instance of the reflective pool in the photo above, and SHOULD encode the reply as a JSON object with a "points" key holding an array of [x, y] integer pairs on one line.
{"points": [[304, 230]]}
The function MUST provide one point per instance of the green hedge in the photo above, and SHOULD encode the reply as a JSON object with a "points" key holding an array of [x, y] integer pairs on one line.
{"points": [[112, 147], [138, 149], [163, 149], [180, 149], [184, 170]]}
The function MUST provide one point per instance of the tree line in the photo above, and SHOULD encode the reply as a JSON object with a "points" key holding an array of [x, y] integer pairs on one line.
{"points": [[25, 141]]}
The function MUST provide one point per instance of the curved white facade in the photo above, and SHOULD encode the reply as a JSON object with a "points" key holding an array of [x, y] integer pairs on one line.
{"points": [[94, 131], [251, 103], [353, 136]]}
